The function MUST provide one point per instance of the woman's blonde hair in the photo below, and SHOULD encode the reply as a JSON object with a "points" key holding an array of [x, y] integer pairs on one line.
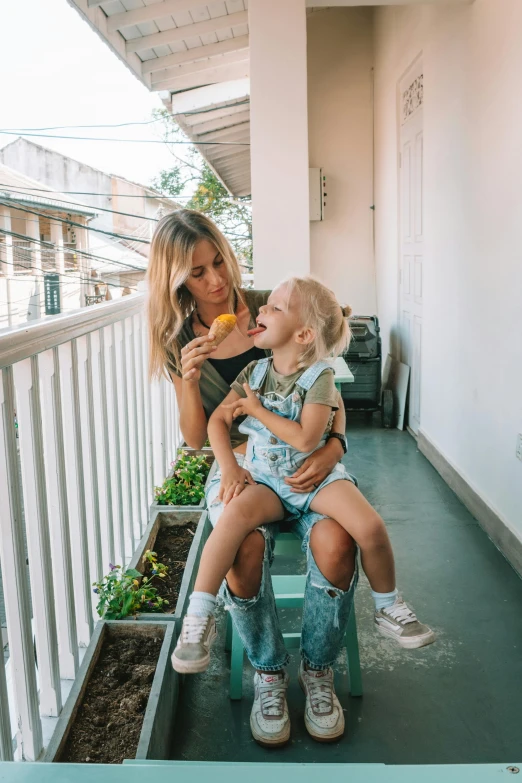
{"points": [[170, 264], [321, 312]]}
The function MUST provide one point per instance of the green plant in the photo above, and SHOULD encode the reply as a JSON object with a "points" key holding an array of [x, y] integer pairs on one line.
{"points": [[122, 593], [186, 486]]}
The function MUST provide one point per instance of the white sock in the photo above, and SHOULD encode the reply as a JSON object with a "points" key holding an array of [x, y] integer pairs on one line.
{"points": [[201, 604], [383, 600]]}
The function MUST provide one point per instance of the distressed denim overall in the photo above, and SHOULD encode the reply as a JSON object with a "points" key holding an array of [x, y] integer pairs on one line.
{"points": [[326, 608]]}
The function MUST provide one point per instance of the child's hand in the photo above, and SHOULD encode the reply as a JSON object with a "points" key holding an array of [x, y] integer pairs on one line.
{"points": [[246, 406], [233, 482]]}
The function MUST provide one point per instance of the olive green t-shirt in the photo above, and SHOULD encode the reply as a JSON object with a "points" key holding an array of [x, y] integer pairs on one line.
{"points": [[322, 391]]}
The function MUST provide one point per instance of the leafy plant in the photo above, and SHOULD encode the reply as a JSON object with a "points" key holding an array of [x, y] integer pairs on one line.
{"points": [[186, 486], [122, 593]]}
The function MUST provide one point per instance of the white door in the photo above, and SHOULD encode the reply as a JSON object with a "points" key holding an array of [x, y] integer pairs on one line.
{"points": [[411, 235]]}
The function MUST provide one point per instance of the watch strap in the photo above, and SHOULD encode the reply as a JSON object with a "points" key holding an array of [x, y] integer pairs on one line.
{"points": [[340, 438]]}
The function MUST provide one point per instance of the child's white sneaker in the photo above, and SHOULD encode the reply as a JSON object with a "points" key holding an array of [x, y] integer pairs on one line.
{"points": [[192, 652], [399, 622]]}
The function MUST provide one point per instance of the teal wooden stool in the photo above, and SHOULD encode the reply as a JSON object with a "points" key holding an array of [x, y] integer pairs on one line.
{"points": [[289, 593]]}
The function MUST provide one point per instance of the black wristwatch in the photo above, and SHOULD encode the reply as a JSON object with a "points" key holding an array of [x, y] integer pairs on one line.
{"points": [[340, 438]]}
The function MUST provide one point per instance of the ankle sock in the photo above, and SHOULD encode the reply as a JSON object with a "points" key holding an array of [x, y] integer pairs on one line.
{"points": [[202, 604], [383, 600]]}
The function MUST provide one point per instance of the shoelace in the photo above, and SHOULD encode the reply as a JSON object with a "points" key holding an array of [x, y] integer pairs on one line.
{"points": [[401, 612], [272, 696], [321, 695], [193, 629]]}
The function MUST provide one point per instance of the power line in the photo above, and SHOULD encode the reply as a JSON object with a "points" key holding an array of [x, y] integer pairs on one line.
{"points": [[51, 246], [144, 122], [79, 225], [77, 204], [132, 141]]}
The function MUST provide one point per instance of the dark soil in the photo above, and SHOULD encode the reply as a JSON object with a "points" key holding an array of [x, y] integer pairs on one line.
{"points": [[108, 723], [172, 547]]}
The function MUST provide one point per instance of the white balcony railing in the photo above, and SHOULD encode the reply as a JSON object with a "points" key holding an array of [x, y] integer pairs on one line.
{"points": [[94, 437]]}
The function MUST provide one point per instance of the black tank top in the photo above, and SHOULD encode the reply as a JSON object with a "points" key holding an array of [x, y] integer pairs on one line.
{"points": [[230, 368]]}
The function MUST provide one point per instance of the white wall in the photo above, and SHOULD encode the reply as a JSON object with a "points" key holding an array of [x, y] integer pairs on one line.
{"points": [[340, 120], [472, 320]]}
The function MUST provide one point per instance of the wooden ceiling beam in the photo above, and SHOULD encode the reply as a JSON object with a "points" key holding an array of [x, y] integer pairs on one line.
{"points": [[195, 67], [225, 73], [197, 53], [186, 31], [150, 12], [236, 132], [226, 121]]}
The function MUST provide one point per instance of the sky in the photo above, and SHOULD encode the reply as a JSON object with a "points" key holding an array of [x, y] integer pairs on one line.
{"points": [[55, 70]]}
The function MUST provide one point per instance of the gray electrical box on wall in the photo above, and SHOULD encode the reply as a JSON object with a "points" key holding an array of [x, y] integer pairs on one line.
{"points": [[317, 187]]}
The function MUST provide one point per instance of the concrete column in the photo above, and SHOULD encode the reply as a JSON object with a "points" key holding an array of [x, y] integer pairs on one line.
{"points": [[6, 265], [57, 240], [36, 307], [279, 139]]}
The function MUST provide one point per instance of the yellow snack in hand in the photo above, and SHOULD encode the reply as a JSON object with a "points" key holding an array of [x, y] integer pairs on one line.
{"points": [[221, 328]]}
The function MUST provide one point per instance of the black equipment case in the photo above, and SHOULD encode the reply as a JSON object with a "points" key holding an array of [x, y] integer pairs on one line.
{"points": [[364, 358]]}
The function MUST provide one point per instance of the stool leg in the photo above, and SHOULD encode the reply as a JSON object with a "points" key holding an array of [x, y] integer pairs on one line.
{"points": [[228, 632], [352, 652], [236, 665]]}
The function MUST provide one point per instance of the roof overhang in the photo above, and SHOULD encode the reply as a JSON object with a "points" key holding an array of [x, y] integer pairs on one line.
{"points": [[198, 61]]}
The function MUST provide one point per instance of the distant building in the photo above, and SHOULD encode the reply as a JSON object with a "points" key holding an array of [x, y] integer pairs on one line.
{"points": [[45, 266], [121, 206]]}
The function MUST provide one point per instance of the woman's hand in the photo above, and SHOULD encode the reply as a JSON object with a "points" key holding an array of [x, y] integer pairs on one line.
{"points": [[246, 406], [193, 354], [314, 470], [233, 482]]}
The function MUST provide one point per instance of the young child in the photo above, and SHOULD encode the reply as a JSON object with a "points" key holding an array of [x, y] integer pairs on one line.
{"points": [[288, 400]]}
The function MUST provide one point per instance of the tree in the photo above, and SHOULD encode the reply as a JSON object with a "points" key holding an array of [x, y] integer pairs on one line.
{"points": [[192, 178]]}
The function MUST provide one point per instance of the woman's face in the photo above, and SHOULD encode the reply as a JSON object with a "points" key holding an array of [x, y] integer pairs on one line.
{"points": [[209, 281]]}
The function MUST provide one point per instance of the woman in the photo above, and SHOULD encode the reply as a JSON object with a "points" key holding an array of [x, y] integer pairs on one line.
{"points": [[193, 277]]}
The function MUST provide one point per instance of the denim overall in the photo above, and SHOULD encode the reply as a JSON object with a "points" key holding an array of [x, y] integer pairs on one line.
{"points": [[269, 459], [326, 608]]}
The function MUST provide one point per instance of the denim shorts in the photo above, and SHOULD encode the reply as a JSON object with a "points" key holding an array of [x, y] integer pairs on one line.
{"points": [[298, 518]]}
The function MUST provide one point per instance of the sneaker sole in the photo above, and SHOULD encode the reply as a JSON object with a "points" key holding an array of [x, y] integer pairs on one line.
{"points": [[311, 729], [192, 667], [409, 643], [268, 742]]}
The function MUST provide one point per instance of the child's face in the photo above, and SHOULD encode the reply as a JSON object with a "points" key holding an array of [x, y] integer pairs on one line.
{"points": [[281, 319]]}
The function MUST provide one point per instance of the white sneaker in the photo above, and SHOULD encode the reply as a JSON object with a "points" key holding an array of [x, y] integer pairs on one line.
{"points": [[324, 717], [269, 719], [400, 623], [192, 652]]}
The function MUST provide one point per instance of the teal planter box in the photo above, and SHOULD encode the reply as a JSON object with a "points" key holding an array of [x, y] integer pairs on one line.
{"points": [[165, 518], [158, 722]]}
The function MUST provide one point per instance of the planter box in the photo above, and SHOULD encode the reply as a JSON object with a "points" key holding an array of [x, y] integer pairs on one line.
{"points": [[168, 518], [157, 507], [206, 451], [158, 721]]}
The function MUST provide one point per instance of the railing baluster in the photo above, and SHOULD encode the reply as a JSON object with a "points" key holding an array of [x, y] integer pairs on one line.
{"points": [[37, 525], [168, 425], [121, 377], [133, 434], [140, 418], [157, 405], [48, 363], [113, 413], [15, 580], [101, 430], [76, 489], [6, 743], [85, 414], [148, 417]]}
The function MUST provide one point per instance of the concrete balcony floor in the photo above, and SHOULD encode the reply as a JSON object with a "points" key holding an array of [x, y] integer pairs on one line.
{"points": [[457, 701]]}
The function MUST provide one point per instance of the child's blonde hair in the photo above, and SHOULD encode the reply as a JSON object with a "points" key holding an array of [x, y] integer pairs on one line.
{"points": [[321, 312]]}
